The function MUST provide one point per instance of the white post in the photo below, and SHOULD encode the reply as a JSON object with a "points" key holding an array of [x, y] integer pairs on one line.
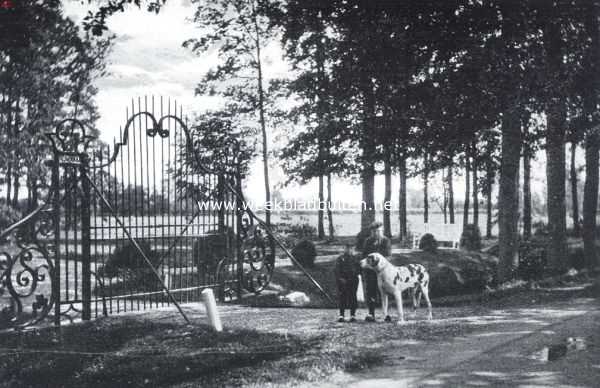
{"points": [[211, 309]]}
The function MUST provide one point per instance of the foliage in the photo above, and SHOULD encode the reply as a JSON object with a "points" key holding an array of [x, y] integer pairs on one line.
{"points": [[305, 252], [239, 30], [532, 260], [302, 231], [577, 259], [127, 262], [470, 238], [8, 216], [210, 249], [428, 243], [42, 82], [540, 228]]}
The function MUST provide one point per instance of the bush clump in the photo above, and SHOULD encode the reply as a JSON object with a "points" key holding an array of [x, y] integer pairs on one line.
{"points": [[126, 261], [470, 238], [428, 243], [305, 252], [577, 259], [8, 216], [532, 260], [540, 228], [210, 249]]}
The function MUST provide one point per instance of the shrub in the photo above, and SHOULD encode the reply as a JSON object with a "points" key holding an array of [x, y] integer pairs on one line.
{"points": [[210, 249], [577, 259], [127, 261], [539, 228], [305, 252], [470, 238], [302, 231], [8, 216], [428, 243], [293, 233], [532, 260]]}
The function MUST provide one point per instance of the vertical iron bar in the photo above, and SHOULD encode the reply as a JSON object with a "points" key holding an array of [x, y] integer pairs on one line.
{"points": [[57, 243], [86, 291], [240, 252], [170, 208], [151, 225], [142, 215]]}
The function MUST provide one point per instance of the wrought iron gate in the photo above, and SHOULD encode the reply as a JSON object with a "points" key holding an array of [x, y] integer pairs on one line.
{"points": [[141, 223]]}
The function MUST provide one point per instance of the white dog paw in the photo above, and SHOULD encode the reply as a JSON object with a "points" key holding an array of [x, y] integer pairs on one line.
{"points": [[401, 323]]}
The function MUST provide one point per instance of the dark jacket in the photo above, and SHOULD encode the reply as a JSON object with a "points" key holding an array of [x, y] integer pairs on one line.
{"points": [[347, 267], [381, 245]]}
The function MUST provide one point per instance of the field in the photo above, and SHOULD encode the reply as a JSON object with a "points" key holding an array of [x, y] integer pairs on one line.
{"points": [[348, 224], [345, 223]]}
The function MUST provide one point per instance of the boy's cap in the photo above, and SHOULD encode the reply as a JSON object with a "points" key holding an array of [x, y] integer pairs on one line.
{"points": [[375, 225]]}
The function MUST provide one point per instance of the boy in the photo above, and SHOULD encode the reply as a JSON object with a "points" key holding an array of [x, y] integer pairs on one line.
{"points": [[376, 242], [347, 269]]}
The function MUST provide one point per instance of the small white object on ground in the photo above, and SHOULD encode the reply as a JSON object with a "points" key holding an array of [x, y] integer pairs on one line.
{"points": [[208, 297], [296, 298], [572, 272]]}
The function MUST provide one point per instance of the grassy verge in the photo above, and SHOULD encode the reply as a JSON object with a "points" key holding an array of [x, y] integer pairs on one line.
{"points": [[139, 352]]}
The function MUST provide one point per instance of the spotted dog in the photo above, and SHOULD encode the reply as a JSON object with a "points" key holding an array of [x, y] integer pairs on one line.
{"points": [[394, 280]]}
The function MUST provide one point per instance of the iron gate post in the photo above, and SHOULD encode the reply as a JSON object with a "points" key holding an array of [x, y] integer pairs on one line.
{"points": [[55, 182], [86, 273], [239, 250]]}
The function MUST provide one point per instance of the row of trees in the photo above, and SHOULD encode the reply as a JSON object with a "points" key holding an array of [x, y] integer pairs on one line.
{"points": [[47, 65], [417, 87]]}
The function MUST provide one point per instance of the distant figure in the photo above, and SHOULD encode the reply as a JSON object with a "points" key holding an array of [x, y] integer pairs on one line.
{"points": [[376, 243], [347, 269]]}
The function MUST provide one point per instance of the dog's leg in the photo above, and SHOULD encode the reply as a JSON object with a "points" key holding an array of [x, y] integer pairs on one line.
{"points": [[399, 306], [425, 292], [419, 294], [384, 304], [414, 291]]}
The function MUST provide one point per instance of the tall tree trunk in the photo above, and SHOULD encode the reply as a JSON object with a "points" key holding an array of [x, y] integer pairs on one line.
{"points": [[321, 211], [592, 141], [402, 201], [590, 197], [368, 150], [526, 195], [387, 224], [329, 211], [444, 198], [15, 196], [263, 124], [34, 194], [508, 198], [488, 195], [574, 195], [467, 191], [426, 190], [555, 150], [451, 194], [9, 183], [368, 195], [474, 168]]}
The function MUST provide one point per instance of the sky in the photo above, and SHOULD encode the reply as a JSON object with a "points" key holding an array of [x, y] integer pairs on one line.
{"points": [[148, 59]]}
